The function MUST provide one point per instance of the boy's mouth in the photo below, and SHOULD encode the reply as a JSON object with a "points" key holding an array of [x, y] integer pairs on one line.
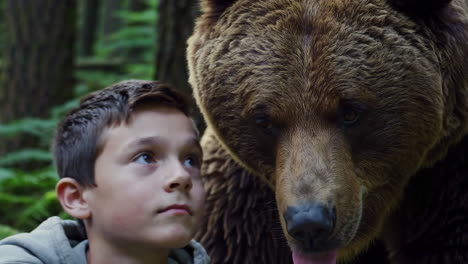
{"points": [[178, 209]]}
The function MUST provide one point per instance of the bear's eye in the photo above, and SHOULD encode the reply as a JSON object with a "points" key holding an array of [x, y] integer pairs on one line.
{"points": [[350, 116], [264, 124]]}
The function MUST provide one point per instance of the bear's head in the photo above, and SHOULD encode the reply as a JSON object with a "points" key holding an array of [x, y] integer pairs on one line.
{"points": [[334, 103]]}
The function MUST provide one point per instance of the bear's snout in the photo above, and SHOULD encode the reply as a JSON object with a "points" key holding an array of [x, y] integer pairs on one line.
{"points": [[310, 224]]}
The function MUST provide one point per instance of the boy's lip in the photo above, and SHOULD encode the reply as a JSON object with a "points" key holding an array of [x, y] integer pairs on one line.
{"points": [[177, 207]]}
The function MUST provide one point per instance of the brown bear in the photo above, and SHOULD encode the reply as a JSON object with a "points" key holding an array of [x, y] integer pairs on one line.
{"points": [[334, 127]]}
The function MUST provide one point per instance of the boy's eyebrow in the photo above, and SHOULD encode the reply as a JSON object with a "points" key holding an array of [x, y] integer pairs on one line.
{"points": [[156, 140], [153, 140], [195, 142]]}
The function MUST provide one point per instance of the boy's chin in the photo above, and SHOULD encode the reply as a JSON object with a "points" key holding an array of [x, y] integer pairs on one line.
{"points": [[178, 238], [178, 242]]}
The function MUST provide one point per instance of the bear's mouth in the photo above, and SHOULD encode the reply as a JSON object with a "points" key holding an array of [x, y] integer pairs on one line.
{"points": [[315, 258]]}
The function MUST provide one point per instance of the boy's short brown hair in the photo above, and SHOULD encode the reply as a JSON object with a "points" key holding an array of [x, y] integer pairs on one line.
{"points": [[78, 138]]}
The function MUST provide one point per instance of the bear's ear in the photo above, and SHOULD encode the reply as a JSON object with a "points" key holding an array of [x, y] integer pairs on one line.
{"points": [[420, 7], [214, 8]]}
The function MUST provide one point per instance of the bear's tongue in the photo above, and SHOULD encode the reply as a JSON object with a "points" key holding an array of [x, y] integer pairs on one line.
{"points": [[315, 258]]}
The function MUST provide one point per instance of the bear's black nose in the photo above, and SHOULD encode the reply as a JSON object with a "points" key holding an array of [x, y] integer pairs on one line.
{"points": [[310, 223]]}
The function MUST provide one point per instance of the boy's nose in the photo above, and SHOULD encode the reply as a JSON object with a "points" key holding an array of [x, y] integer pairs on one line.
{"points": [[179, 178]]}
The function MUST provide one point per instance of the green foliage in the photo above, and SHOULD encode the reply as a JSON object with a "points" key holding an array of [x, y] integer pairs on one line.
{"points": [[31, 126], [27, 197], [7, 231], [10, 159], [2, 29], [134, 43]]}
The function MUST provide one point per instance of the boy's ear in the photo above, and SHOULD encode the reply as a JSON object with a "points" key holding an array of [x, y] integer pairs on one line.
{"points": [[70, 195]]}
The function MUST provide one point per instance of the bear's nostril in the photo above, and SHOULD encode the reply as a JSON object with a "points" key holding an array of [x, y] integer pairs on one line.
{"points": [[310, 222], [299, 235]]}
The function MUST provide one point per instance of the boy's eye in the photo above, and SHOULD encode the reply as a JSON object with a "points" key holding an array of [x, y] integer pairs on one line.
{"points": [[192, 161], [144, 159]]}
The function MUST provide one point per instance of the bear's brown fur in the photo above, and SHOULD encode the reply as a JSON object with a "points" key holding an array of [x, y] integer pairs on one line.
{"points": [[350, 104]]}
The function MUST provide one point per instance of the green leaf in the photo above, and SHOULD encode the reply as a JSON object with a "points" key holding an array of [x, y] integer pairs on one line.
{"points": [[24, 182], [40, 210], [6, 174], [32, 126], [145, 17], [24, 155], [6, 231]]}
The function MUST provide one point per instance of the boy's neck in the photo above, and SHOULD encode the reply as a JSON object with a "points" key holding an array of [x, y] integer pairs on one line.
{"points": [[99, 251]]}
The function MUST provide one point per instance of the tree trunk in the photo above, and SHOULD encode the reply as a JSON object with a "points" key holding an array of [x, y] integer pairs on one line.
{"points": [[2, 29], [175, 25], [37, 70], [111, 22], [137, 5], [88, 30]]}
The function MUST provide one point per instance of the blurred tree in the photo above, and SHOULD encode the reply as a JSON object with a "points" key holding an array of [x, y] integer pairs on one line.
{"points": [[175, 25], [88, 31], [137, 6], [2, 29], [37, 63], [111, 21]]}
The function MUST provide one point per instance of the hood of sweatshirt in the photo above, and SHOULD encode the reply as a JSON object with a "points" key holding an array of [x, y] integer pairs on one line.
{"points": [[64, 241]]}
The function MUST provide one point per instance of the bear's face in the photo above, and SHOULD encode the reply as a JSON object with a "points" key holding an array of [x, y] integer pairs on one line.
{"points": [[334, 103]]}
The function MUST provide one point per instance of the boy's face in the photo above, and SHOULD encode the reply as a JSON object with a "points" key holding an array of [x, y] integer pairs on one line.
{"points": [[149, 191]]}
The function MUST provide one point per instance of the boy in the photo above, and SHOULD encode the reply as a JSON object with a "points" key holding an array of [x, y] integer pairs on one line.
{"points": [[129, 162]]}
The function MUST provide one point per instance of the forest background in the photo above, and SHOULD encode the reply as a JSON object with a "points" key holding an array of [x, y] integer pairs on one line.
{"points": [[52, 52]]}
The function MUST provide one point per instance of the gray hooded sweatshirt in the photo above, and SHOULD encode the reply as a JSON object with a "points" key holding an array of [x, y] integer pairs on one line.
{"points": [[57, 241]]}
